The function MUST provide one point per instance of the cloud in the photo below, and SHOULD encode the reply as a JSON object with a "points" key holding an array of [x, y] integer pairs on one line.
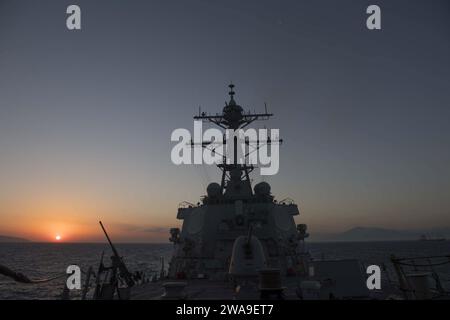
{"points": [[139, 228], [156, 229]]}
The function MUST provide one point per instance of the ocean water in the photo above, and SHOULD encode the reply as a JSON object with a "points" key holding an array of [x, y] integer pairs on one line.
{"points": [[47, 260]]}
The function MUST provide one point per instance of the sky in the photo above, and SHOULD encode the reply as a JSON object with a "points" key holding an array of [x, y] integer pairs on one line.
{"points": [[86, 116]]}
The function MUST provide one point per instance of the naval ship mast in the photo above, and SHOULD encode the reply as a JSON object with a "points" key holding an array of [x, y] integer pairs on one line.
{"points": [[234, 118], [232, 214]]}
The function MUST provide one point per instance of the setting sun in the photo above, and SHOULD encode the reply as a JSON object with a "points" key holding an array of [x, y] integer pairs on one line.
{"points": [[58, 237]]}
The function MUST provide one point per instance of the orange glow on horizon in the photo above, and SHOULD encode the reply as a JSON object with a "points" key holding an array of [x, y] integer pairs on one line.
{"points": [[61, 218]]}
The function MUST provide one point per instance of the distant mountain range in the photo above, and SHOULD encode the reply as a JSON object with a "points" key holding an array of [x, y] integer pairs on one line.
{"points": [[12, 239], [381, 234]]}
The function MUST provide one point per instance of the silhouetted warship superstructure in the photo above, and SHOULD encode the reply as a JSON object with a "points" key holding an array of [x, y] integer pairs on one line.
{"points": [[239, 243]]}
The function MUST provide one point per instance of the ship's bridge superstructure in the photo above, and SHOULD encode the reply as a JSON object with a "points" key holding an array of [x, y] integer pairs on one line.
{"points": [[232, 209]]}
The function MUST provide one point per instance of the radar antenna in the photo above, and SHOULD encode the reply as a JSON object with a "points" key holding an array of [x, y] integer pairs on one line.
{"points": [[234, 118]]}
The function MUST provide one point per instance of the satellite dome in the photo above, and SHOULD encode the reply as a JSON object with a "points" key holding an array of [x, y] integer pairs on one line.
{"points": [[213, 190], [262, 188]]}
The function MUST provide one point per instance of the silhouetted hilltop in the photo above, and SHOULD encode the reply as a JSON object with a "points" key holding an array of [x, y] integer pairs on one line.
{"points": [[12, 239], [376, 234], [382, 234]]}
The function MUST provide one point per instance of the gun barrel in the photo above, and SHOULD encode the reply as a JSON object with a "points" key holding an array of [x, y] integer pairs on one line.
{"points": [[122, 267], [109, 240]]}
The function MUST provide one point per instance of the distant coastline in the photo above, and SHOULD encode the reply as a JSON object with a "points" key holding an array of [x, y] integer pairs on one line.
{"points": [[356, 234], [4, 239], [359, 234]]}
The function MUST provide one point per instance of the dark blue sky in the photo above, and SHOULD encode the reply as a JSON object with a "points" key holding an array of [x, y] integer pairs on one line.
{"points": [[86, 116]]}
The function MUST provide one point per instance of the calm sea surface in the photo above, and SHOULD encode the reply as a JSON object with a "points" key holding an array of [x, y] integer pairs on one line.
{"points": [[46, 260]]}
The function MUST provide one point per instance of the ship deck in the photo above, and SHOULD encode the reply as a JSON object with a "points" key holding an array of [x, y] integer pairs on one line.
{"points": [[204, 289]]}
